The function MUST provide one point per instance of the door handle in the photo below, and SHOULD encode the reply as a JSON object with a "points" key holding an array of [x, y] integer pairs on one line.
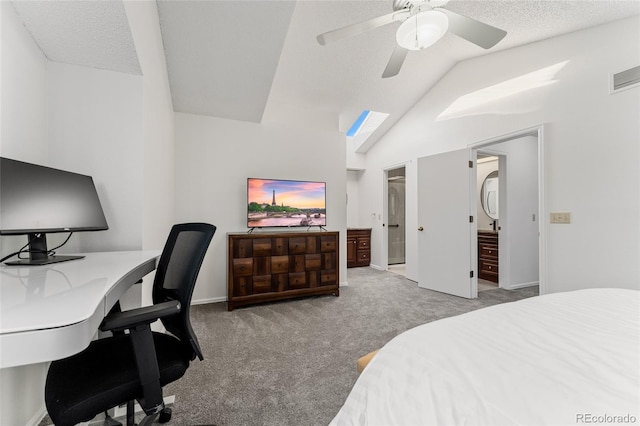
{"points": [[394, 226], [421, 229]]}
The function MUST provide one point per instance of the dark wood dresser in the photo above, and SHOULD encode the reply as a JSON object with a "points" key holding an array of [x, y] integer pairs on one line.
{"points": [[264, 267], [358, 247], [488, 255]]}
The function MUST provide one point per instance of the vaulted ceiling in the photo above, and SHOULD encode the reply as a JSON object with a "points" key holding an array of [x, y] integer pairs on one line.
{"points": [[259, 61]]}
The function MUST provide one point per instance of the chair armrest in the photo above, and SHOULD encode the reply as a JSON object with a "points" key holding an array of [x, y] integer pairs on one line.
{"points": [[138, 321], [118, 321]]}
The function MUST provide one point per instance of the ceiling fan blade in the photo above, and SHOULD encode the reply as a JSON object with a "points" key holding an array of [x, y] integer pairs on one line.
{"points": [[360, 27], [395, 62], [476, 32]]}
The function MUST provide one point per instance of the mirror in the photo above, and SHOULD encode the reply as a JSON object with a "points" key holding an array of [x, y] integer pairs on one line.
{"points": [[489, 195]]}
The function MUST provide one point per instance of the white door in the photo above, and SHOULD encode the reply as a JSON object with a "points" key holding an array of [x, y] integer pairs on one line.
{"points": [[445, 233]]}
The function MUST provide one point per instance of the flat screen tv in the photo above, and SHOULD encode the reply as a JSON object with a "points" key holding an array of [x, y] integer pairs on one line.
{"points": [[36, 200], [285, 203]]}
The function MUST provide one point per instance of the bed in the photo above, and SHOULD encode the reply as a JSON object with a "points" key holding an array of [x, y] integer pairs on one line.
{"points": [[560, 359]]}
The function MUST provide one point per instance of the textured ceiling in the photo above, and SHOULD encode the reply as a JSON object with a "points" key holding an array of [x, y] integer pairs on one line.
{"points": [[259, 61], [90, 33]]}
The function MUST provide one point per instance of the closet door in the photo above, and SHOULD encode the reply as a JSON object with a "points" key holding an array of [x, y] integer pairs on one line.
{"points": [[444, 230]]}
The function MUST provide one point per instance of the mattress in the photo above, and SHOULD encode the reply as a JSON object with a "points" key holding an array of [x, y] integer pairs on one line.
{"points": [[560, 359]]}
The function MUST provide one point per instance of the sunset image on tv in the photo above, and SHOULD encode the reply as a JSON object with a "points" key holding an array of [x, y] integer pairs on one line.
{"points": [[272, 202]]}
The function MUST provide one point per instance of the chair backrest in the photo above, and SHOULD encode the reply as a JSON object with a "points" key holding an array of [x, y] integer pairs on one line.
{"points": [[176, 275]]}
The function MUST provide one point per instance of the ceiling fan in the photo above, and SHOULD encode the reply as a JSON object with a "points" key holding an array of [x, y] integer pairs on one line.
{"points": [[423, 22]]}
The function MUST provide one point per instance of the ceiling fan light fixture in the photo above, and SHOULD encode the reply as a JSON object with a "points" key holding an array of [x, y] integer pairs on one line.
{"points": [[422, 30]]}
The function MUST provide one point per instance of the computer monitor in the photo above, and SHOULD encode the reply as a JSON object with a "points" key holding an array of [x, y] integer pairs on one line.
{"points": [[36, 200]]}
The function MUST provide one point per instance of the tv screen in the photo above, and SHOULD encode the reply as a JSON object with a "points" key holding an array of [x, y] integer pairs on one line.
{"points": [[290, 203]]}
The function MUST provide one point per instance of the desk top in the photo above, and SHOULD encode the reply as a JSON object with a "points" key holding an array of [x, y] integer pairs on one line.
{"points": [[42, 304]]}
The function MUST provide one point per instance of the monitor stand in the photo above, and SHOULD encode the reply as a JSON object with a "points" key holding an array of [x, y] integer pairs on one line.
{"points": [[38, 253], [44, 261]]}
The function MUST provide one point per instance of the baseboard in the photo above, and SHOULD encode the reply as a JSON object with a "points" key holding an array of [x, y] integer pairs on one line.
{"points": [[38, 417], [210, 300], [379, 268], [523, 285]]}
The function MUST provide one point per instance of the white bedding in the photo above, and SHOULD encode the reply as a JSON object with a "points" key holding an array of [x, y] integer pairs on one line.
{"points": [[561, 359]]}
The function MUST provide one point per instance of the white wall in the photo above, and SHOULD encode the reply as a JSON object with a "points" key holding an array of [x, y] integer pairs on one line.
{"points": [[585, 125], [157, 164], [352, 198], [79, 119], [23, 81], [24, 94], [95, 128], [214, 157], [116, 127]]}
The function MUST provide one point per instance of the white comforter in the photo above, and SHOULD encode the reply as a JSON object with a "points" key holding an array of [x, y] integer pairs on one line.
{"points": [[561, 359]]}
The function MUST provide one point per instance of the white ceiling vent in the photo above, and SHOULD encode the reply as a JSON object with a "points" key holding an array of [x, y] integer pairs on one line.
{"points": [[625, 79]]}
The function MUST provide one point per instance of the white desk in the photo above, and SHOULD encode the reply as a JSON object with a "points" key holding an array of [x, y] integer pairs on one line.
{"points": [[53, 311]]}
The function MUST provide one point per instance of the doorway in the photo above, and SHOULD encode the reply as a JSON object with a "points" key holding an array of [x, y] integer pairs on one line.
{"points": [[396, 219], [447, 225], [514, 219]]}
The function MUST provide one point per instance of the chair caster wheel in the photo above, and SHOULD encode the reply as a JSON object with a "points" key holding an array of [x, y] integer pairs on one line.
{"points": [[165, 415]]}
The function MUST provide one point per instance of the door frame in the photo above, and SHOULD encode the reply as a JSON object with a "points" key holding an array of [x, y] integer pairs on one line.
{"points": [[385, 212], [537, 131]]}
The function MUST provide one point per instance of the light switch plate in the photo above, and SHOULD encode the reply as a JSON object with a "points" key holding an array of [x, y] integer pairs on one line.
{"points": [[560, 217]]}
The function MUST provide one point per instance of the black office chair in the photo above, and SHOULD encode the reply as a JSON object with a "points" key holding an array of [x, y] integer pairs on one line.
{"points": [[134, 366]]}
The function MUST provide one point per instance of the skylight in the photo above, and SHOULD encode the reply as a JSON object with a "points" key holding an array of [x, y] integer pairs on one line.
{"points": [[533, 80], [355, 127], [364, 126]]}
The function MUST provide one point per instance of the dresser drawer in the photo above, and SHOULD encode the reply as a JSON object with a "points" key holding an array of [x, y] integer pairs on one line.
{"points": [[297, 245], [364, 244], [242, 286], [279, 264], [364, 256], [298, 280], [488, 266], [262, 284], [312, 262], [262, 247], [488, 250], [328, 278], [243, 267], [328, 244]]}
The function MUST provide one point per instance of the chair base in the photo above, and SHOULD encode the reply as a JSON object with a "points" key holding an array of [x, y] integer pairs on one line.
{"points": [[165, 415]]}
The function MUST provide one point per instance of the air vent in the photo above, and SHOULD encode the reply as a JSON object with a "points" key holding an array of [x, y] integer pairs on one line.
{"points": [[625, 79]]}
